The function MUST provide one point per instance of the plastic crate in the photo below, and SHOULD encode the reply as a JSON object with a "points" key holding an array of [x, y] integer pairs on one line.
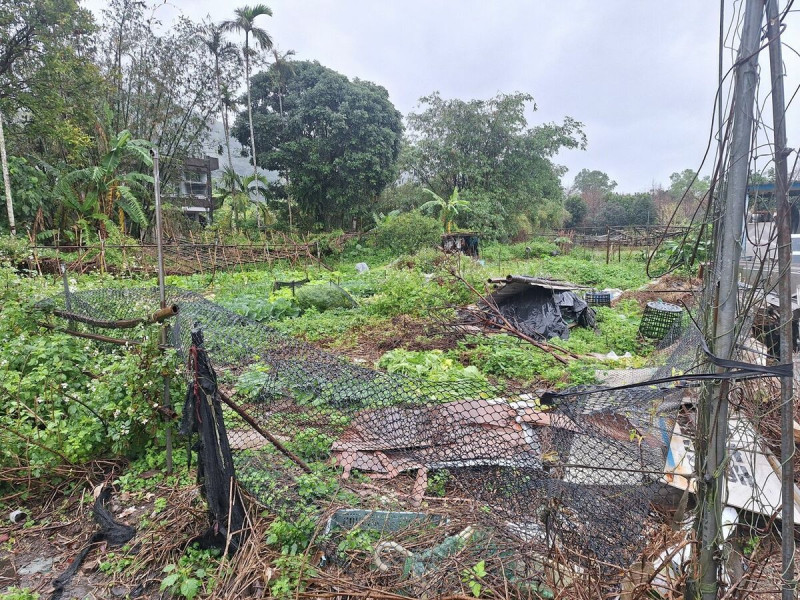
{"points": [[598, 298], [660, 319]]}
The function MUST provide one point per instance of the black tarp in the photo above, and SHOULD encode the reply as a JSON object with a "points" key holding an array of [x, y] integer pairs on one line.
{"points": [[542, 312], [202, 415]]}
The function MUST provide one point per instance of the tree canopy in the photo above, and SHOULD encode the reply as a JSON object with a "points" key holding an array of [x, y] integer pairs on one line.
{"points": [[336, 142], [487, 150], [593, 181]]}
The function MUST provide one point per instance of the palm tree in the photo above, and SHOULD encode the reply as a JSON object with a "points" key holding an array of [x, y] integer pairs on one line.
{"points": [[281, 68], [220, 49], [237, 190], [245, 22], [448, 209]]}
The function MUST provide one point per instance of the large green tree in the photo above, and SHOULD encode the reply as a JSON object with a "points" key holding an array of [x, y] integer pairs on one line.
{"points": [[587, 181], [487, 149], [338, 140], [50, 90], [623, 210]]}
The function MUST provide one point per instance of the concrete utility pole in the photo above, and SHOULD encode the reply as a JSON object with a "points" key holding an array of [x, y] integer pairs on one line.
{"points": [[785, 295], [6, 180], [713, 418]]}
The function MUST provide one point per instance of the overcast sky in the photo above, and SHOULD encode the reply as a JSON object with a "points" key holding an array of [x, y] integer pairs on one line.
{"points": [[641, 75]]}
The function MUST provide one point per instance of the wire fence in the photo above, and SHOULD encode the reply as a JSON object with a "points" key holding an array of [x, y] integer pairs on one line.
{"points": [[492, 472]]}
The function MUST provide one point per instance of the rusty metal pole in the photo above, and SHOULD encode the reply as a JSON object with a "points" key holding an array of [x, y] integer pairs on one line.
{"points": [[788, 584], [162, 296]]}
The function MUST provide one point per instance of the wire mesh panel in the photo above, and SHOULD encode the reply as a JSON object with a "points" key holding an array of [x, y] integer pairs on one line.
{"points": [[573, 476]]}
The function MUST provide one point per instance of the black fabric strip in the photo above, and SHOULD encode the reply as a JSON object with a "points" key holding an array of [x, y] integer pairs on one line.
{"points": [[738, 370]]}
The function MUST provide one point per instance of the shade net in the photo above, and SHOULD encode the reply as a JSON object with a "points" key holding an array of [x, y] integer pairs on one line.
{"points": [[511, 478]]}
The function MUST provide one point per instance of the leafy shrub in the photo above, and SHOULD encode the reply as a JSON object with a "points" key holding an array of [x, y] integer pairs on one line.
{"points": [[323, 297], [433, 365], [193, 574], [487, 217], [259, 309], [408, 232], [66, 399], [409, 293]]}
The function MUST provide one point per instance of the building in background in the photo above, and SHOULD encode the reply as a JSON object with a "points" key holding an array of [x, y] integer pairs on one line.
{"points": [[194, 194]]}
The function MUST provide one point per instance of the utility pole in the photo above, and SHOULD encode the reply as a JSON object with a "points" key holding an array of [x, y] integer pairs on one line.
{"points": [[6, 181], [712, 431], [785, 296]]}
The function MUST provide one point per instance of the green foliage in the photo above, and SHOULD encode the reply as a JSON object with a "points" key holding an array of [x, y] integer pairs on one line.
{"points": [[448, 208], [593, 181], [473, 575], [114, 563], [15, 593], [68, 400], [577, 209], [259, 309], [408, 232], [51, 88], [432, 365], [337, 139], [358, 540], [486, 216], [509, 358], [410, 293], [621, 210], [312, 444], [685, 254], [487, 146], [192, 575], [93, 193], [688, 184], [323, 297], [294, 571], [252, 381], [437, 483]]}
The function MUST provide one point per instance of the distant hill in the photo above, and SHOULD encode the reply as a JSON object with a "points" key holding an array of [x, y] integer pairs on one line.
{"points": [[215, 146]]}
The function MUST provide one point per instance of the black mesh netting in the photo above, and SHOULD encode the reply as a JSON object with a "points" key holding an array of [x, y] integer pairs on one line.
{"points": [[576, 475]]}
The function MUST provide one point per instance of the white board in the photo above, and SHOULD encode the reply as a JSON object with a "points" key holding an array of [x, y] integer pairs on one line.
{"points": [[753, 473]]}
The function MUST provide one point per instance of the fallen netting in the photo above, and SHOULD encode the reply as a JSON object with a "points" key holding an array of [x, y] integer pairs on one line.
{"points": [[547, 475], [114, 533]]}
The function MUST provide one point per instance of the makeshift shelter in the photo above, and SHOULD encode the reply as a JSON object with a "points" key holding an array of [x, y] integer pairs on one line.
{"points": [[541, 308], [463, 242]]}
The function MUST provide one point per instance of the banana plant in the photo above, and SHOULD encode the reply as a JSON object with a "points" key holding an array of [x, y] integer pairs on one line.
{"points": [[448, 208], [96, 191], [238, 190]]}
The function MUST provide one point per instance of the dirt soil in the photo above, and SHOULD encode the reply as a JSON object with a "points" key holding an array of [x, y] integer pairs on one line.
{"points": [[369, 343], [59, 524], [673, 289]]}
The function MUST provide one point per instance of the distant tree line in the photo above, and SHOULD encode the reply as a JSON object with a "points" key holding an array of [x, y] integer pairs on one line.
{"points": [[592, 202], [84, 101]]}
